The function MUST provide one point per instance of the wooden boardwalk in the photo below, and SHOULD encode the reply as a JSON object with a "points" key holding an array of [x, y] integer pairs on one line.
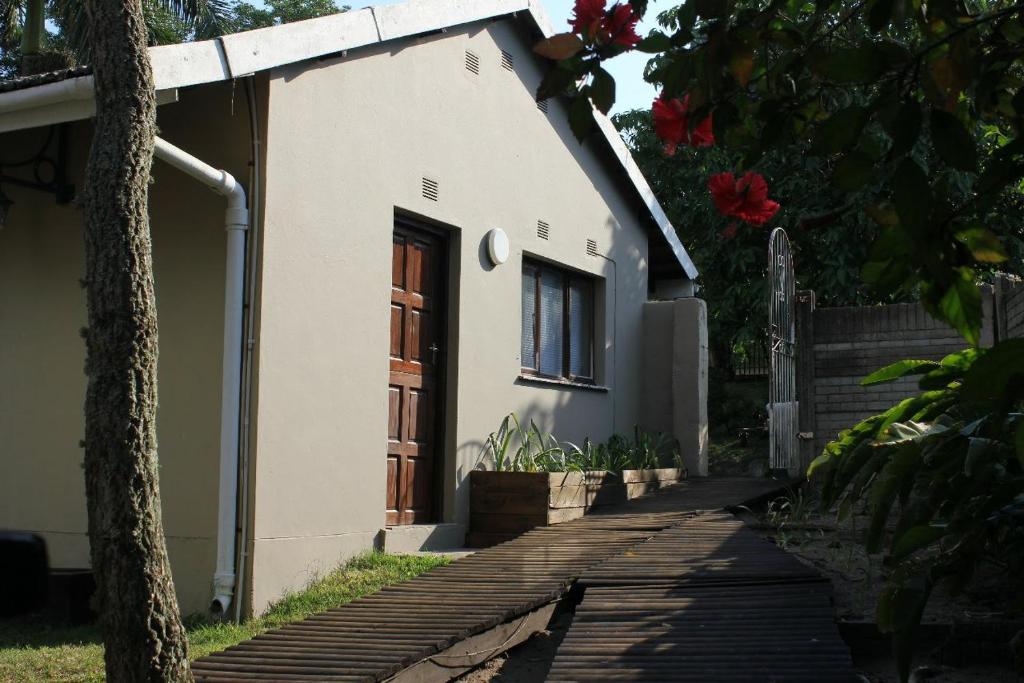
{"points": [[704, 600], [435, 626]]}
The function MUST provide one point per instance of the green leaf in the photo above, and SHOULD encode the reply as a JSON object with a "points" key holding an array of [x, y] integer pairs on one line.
{"points": [[915, 539], [560, 46], [555, 82], [990, 376], [912, 197], [983, 244], [879, 13], [581, 116], [741, 64], [711, 9], [853, 171], [900, 605], [952, 142], [841, 131], [904, 128], [602, 90], [1005, 166], [899, 369], [899, 610], [1019, 442], [960, 306], [961, 360], [978, 448], [938, 379], [902, 464], [851, 65], [639, 7], [655, 43]]}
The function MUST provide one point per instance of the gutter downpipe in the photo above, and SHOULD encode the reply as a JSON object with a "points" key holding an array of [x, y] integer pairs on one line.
{"points": [[236, 223]]}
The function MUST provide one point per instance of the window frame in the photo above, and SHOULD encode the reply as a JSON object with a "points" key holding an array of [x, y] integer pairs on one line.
{"points": [[569, 278]]}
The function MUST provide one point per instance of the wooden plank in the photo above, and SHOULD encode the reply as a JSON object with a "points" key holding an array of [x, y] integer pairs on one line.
{"points": [[661, 474], [510, 481], [568, 497], [531, 502], [474, 651]]}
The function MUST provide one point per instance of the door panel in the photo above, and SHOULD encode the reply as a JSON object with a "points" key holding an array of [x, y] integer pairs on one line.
{"points": [[416, 353]]}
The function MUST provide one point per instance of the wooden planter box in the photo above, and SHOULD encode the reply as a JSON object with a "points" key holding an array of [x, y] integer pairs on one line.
{"points": [[503, 505]]}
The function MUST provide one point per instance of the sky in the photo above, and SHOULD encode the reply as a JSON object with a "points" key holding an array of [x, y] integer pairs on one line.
{"points": [[632, 92]]}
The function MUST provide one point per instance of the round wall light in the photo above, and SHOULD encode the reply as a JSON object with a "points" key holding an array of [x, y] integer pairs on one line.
{"points": [[498, 247]]}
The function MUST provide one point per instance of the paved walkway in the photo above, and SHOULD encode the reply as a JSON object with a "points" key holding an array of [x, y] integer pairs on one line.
{"points": [[453, 617]]}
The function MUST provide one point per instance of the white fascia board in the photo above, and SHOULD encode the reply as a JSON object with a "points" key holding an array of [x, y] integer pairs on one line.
{"points": [[541, 18], [184, 64], [72, 89], [621, 151], [266, 48], [62, 112], [46, 115], [422, 16]]}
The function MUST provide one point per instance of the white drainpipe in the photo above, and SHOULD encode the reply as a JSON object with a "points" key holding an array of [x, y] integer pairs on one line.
{"points": [[236, 222]]}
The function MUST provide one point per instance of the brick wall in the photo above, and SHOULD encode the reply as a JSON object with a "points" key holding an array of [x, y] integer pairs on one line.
{"points": [[851, 343], [1010, 308]]}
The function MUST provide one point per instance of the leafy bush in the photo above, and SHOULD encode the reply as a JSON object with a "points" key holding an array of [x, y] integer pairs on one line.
{"points": [[953, 457], [518, 448]]}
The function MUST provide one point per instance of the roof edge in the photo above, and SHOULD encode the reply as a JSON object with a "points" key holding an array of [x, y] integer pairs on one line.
{"points": [[242, 54]]}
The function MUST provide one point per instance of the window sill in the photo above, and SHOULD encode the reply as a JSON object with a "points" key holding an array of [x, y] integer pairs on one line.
{"points": [[551, 382]]}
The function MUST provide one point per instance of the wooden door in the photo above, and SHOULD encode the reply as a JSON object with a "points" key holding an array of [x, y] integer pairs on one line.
{"points": [[417, 327]]}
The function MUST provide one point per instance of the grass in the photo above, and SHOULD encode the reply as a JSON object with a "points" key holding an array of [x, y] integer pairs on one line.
{"points": [[33, 650]]}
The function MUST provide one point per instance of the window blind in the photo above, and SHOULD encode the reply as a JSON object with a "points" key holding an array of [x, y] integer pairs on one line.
{"points": [[528, 348], [581, 323], [552, 322]]}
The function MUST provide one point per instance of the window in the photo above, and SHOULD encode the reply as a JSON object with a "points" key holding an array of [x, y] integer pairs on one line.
{"points": [[558, 323]]}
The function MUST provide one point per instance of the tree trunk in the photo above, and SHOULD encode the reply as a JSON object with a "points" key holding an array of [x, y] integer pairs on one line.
{"points": [[142, 630]]}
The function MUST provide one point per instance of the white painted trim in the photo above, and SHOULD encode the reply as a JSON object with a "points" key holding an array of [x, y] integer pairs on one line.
{"points": [[62, 112], [80, 88], [422, 16], [178, 66], [265, 48]]}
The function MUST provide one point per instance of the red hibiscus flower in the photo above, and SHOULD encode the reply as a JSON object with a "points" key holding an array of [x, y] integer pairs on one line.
{"points": [[672, 125], [587, 17], [746, 198], [617, 26]]}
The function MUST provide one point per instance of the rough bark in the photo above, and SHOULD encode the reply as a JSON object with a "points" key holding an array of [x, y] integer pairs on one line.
{"points": [[142, 629]]}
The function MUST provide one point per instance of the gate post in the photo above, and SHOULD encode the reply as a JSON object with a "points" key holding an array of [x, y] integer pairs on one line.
{"points": [[806, 420]]}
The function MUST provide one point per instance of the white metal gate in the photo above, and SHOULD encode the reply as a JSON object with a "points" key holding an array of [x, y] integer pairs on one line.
{"points": [[782, 403]]}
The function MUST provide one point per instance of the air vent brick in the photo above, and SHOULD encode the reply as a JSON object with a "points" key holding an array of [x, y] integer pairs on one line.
{"points": [[430, 189]]}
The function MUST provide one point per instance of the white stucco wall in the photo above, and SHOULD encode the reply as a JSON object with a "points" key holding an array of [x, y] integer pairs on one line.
{"points": [[348, 142], [42, 308]]}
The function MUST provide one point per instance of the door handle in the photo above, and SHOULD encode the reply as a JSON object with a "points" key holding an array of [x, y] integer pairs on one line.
{"points": [[433, 348]]}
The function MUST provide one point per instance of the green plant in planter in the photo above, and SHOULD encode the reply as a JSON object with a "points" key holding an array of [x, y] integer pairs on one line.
{"points": [[596, 457], [515, 448], [651, 451]]}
